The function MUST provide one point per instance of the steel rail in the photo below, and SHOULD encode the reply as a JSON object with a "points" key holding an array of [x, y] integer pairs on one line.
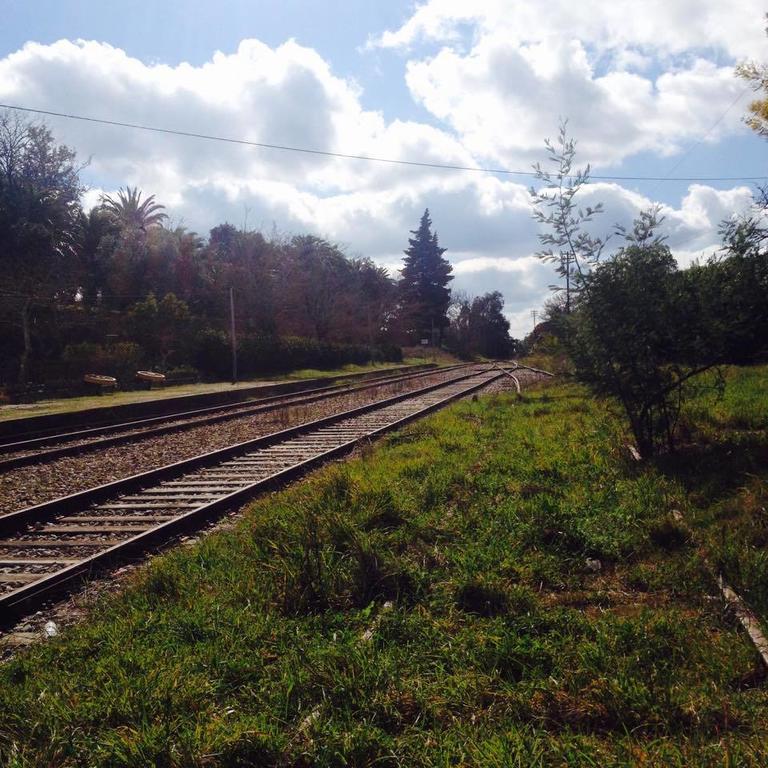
{"points": [[11, 520], [284, 455]]}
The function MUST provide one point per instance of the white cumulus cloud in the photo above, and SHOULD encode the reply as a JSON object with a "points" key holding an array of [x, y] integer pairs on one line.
{"points": [[630, 76]]}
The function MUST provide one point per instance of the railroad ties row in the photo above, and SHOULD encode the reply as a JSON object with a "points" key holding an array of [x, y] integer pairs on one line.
{"points": [[46, 553]]}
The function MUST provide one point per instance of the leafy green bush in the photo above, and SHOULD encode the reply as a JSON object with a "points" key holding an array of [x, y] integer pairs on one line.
{"points": [[211, 353], [264, 354], [120, 360], [182, 374]]}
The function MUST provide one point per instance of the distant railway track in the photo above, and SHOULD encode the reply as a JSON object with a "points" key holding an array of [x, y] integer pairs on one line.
{"points": [[110, 415], [59, 444], [47, 548]]}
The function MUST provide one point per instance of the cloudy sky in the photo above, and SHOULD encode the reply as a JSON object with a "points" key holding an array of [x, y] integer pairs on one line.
{"points": [[647, 87]]}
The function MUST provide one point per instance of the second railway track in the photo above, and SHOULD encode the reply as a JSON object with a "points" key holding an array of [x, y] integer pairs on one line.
{"points": [[45, 548], [49, 447]]}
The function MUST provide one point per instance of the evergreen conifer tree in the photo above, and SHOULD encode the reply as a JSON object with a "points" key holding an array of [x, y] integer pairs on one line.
{"points": [[424, 292]]}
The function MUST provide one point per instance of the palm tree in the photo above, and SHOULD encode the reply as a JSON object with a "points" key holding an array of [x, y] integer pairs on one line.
{"points": [[131, 213]]}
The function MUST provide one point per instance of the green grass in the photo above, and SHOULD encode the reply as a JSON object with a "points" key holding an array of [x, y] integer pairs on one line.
{"points": [[427, 604], [109, 400], [319, 373], [725, 469], [741, 405]]}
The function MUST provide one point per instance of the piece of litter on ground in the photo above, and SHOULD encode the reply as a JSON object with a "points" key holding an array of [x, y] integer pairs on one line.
{"points": [[593, 565], [50, 629]]}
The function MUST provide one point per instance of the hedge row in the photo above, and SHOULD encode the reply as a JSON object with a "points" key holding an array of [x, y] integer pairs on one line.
{"points": [[210, 358], [273, 354]]}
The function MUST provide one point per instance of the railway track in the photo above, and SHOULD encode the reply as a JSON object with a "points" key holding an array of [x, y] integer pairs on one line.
{"points": [[56, 445], [46, 548], [110, 416]]}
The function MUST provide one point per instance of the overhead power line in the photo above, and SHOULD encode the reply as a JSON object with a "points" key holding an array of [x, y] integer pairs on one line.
{"points": [[366, 158], [703, 138]]}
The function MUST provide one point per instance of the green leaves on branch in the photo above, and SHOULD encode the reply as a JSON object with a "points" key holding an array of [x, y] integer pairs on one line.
{"points": [[644, 329], [565, 240]]}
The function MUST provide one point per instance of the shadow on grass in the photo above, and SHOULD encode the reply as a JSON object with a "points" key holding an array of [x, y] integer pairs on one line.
{"points": [[716, 469]]}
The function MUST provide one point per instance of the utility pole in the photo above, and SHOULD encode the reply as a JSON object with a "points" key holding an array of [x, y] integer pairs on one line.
{"points": [[233, 337], [534, 312], [432, 340]]}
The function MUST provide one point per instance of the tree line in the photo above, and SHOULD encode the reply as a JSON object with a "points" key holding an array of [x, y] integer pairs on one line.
{"points": [[117, 287]]}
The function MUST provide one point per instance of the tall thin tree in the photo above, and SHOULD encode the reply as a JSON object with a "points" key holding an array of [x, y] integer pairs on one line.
{"points": [[565, 240], [424, 292]]}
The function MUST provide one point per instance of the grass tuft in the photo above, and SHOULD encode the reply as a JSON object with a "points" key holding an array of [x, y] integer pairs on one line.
{"points": [[668, 534]]}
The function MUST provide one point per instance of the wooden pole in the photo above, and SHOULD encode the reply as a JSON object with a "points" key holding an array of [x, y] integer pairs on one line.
{"points": [[233, 337]]}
